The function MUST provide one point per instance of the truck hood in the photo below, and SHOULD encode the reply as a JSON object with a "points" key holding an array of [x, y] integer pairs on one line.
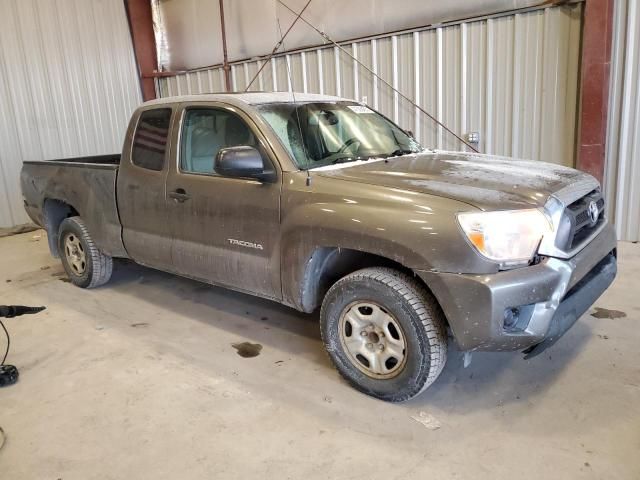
{"points": [[485, 181]]}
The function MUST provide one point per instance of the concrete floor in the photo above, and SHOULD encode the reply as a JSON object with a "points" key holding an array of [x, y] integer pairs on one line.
{"points": [[138, 379]]}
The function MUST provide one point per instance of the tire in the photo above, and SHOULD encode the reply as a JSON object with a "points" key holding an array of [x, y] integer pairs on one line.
{"points": [[96, 268], [411, 343]]}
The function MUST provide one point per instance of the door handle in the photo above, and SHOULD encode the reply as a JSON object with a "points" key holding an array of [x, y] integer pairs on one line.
{"points": [[180, 195]]}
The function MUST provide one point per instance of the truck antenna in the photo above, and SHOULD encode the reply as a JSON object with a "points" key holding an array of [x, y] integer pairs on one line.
{"points": [[278, 45], [293, 96]]}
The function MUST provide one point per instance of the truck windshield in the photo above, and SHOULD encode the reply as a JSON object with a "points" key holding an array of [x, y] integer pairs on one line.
{"points": [[320, 134]]}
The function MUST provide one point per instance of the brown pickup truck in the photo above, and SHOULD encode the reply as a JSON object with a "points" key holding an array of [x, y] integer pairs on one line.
{"points": [[324, 203]]}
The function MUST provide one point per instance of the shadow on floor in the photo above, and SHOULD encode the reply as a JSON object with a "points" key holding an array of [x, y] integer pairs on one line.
{"points": [[491, 379], [501, 378], [224, 308]]}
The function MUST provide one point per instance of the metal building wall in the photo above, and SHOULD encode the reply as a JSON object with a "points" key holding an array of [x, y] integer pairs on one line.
{"points": [[513, 78], [68, 85], [622, 177], [192, 27]]}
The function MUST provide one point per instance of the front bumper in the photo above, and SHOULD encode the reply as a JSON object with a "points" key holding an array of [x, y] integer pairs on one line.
{"points": [[549, 297]]}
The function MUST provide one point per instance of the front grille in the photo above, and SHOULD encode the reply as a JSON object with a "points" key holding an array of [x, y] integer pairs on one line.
{"points": [[582, 218], [576, 225]]}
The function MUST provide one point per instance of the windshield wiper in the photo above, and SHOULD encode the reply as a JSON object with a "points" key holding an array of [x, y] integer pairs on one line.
{"points": [[400, 152], [342, 159]]}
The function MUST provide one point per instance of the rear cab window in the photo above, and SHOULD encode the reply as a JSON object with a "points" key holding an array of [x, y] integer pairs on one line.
{"points": [[150, 139]]}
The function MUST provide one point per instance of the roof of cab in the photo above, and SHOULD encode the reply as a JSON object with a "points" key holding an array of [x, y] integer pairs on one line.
{"points": [[250, 98]]}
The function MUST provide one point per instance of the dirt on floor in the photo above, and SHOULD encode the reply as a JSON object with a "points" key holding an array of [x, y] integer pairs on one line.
{"points": [[154, 376]]}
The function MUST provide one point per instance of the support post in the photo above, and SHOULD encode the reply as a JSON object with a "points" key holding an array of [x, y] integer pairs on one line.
{"points": [[597, 37], [144, 44]]}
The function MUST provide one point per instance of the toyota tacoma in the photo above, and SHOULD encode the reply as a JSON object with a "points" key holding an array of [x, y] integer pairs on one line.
{"points": [[321, 202]]}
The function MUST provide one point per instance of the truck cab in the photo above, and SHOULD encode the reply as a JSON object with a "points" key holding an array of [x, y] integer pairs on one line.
{"points": [[180, 214]]}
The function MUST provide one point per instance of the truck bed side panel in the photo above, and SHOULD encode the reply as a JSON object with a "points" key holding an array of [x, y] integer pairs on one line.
{"points": [[88, 188]]}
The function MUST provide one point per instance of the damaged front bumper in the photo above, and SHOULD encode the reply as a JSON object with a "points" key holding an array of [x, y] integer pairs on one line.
{"points": [[526, 307]]}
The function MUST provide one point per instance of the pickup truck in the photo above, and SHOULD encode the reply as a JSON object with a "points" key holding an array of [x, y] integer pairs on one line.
{"points": [[320, 202]]}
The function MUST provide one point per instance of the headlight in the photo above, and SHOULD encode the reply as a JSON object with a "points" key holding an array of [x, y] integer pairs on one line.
{"points": [[509, 237]]}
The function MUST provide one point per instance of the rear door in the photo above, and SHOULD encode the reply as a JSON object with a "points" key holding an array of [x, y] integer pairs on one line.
{"points": [[141, 189], [225, 230]]}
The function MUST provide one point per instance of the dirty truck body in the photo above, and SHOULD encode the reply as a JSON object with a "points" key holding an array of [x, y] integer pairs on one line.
{"points": [[325, 203]]}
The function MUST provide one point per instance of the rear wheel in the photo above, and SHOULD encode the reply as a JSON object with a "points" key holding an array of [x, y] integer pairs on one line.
{"points": [[384, 333], [85, 264]]}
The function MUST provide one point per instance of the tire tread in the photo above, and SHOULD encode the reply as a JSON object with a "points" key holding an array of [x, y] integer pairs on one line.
{"points": [[424, 305], [101, 264]]}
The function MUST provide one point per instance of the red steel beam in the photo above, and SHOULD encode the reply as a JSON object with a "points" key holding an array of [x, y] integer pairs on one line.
{"points": [[144, 44], [597, 36]]}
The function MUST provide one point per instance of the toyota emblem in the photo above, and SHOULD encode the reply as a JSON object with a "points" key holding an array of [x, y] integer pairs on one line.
{"points": [[593, 212]]}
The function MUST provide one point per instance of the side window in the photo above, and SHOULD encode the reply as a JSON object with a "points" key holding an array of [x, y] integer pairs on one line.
{"points": [[150, 140], [205, 132]]}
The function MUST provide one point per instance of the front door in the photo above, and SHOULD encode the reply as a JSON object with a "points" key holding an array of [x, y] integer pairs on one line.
{"points": [[225, 230]]}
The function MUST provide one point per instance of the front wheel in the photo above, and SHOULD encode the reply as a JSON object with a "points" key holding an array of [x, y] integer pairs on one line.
{"points": [[384, 333], [85, 264]]}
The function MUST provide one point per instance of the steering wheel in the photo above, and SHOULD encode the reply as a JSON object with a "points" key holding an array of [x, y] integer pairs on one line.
{"points": [[348, 143]]}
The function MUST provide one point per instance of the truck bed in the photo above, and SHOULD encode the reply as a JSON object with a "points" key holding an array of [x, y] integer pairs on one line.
{"points": [[85, 184], [113, 159]]}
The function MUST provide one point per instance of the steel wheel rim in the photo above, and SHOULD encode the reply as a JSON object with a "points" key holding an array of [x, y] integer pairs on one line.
{"points": [[74, 251], [373, 340]]}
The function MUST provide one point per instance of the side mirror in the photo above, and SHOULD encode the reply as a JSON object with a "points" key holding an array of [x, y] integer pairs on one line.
{"points": [[242, 162]]}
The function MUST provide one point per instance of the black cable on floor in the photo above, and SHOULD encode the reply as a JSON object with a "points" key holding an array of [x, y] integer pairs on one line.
{"points": [[6, 352], [8, 373]]}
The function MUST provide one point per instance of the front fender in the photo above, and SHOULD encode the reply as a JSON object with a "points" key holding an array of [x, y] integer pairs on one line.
{"points": [[416, 230]]}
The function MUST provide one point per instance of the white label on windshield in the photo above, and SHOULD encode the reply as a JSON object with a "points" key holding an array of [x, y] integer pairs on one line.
{"points": [[359, 109]]}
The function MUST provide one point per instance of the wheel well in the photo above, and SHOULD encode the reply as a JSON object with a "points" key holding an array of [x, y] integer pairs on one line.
{"points": [[54, 212], [327, 265]]}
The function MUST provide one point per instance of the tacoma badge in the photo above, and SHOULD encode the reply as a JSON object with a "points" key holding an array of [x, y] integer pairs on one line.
{"points": [[241, 243]]}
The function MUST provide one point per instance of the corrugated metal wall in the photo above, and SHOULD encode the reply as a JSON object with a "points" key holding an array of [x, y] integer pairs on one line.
{"points": [[513, 78], [622, 178], [192, 27], [68, 84]]}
